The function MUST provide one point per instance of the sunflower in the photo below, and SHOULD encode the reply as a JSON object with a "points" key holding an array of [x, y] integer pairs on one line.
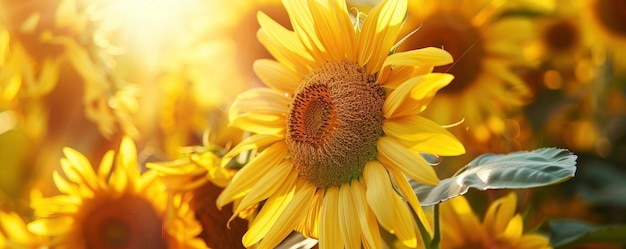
{"points": [[14, 234], [112, 208], [605, 21], [198, 174], [502, 227], [485, 89], [337, 128]]}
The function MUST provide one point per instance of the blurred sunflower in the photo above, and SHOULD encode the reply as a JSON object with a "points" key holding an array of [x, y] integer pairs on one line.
{"points": [[337, 128], [486, 89], [14, 234], [501, 227], [198, 173], [606, 23], [43, 41], [112, 208]]}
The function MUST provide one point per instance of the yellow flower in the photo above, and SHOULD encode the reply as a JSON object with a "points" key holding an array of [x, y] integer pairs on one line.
{"points": [[605, 23], [112, 208], [338, 128], [198, 173], [485, 48], [501, 228], [14, 234]]}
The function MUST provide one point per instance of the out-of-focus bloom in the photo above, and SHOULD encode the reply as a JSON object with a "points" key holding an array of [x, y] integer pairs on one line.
{"points": [[606, 24], [14, 234], [43, 41], [486, 90], [198, 174], [337, 128], [113, 207], [501, 227]]}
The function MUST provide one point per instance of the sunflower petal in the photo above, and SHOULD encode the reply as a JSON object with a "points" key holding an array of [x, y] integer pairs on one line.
{"points": [[408, 194], [259, 100], [379, 33], [412, 96], [309, 225], [290, 217], [367, 218], [259, 123], [250, 143], [272, 209], [500, 213], [329, 229], [429, 56], [276, 75], [334, 29], [404, 225], [393, 155], [350, 231], [281, 175], [252, 173], [283, 45], [379, 192], [420, 134], [304, 26]]}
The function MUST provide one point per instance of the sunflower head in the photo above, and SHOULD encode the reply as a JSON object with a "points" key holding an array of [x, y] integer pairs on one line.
{"points": [[337, 129], [113, 207], [333, 123]]}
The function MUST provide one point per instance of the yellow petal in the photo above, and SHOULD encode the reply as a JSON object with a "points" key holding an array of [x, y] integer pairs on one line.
{"points": [[367, 218], [250, 143], [379, 33], [379, 192], [304, 27], [404, 225], [310, 224], [273, 208], [276, 75], [408, 194], [259, 100], [280, 175], [350, 230], [412, 96], [250, 174], [514, 229], [329, 230], [334, 29], [459, 214], [429, 56], [290, 217], [535, 241], [500, 213], [283, 44], [422, 135], [393, 155], [259, 123], [105, 165], [52, 226], [127, 157], [64, 186]]}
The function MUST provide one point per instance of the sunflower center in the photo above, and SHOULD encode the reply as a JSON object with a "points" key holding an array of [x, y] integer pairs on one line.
{"points": [[333, 123], [453, 32], [611, 14], [125, 222], [561, 36]]}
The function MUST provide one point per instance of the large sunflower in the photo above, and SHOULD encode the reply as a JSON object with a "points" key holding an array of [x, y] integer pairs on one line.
{"points": [[337, 128], [485, 89], [112, 208], [501, 227], [605, 20]]}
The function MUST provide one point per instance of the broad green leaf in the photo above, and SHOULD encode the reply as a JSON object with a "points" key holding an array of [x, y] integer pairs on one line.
{"points": [[568, 232], [516, 170]]}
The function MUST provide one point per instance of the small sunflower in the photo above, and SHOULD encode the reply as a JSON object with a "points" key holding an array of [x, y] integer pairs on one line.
{"points": [[337, 128], [198, 174], [485, 88], [606, 23], [501, 227], [112, 208], [14, 233]]}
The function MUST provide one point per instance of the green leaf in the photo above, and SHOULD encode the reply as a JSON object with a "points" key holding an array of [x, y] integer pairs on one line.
{"points": [[516, 170], [568, 232]]}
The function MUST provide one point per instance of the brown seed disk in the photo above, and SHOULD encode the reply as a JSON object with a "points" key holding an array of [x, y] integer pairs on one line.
{"points": [[333, 123]]}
